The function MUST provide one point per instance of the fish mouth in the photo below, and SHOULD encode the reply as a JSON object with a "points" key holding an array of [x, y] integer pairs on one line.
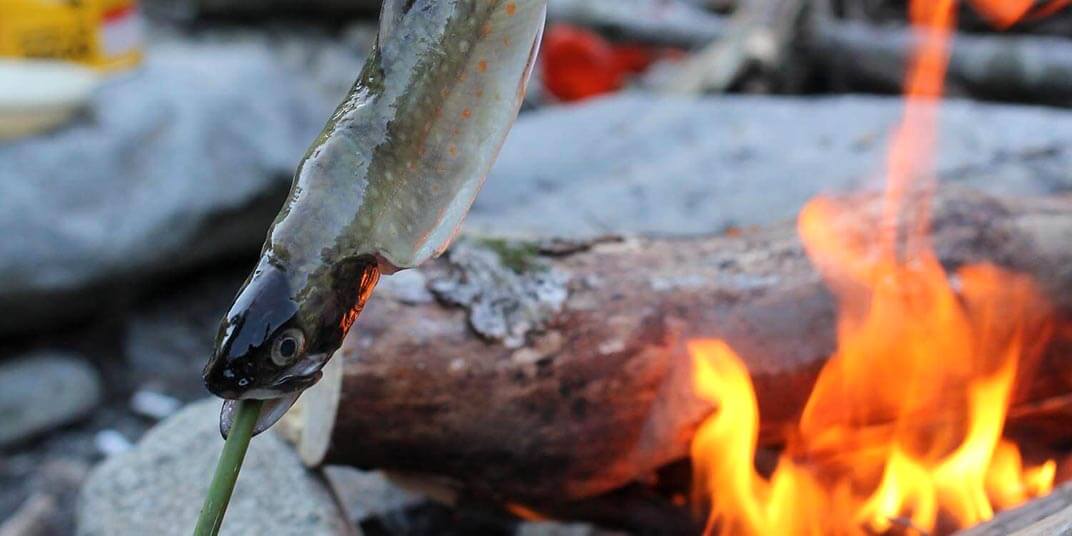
{"points": [[278, 397], [271, 411]]}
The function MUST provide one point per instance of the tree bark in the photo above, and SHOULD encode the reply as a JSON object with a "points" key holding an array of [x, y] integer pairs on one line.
{"points": [[544, 373]]}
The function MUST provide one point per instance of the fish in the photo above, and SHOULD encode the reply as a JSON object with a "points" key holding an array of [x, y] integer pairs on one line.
{"points": [[384, 187]]}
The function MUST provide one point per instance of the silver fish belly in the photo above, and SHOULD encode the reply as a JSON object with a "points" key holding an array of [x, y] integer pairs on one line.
{"points": [[402, 159], [384, 187]]}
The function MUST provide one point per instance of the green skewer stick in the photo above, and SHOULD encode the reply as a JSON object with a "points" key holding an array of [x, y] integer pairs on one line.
{"points": [[223, 481]]}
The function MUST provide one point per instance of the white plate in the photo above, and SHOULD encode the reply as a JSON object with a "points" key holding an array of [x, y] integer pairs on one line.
{"points": [[38, 95]]}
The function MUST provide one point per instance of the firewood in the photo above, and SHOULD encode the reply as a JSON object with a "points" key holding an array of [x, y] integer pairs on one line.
{"points": [[648, 21], [546, 372], [1029, 67], [1045, 516], [759, 38]]}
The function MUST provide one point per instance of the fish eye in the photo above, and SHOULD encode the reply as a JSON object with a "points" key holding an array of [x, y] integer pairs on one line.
{"points": [[287, 347]]}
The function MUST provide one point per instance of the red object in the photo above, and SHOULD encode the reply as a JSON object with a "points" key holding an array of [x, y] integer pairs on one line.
{"points": [[579, 63]]}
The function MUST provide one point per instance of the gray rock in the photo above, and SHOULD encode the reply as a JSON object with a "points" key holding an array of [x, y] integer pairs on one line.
{"points": [[638, 163], [157, 488], [182, 161], [675, 22], [366, 495], [43, 391], [33, 518], [192, 9], [552, 528]]}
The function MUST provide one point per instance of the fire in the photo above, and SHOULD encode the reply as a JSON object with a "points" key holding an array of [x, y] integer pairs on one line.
{"points": [[903, 428]]}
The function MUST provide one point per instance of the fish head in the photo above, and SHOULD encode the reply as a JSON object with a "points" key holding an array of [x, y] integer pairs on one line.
{"points": [[275, 339], [262, 349]]}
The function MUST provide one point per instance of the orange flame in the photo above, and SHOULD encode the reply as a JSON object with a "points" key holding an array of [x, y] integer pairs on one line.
{"points": [[904, 424]]}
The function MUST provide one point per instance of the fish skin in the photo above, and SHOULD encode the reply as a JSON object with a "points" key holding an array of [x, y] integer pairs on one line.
{"points": [[384, 186]]}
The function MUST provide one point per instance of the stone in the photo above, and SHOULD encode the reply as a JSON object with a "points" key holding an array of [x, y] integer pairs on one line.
{"points": [[553, 528], [366, 495], [641, 163], [32, 519], [154, 405], [193, 9], [43, 391], [157, 488], [183, 161]]}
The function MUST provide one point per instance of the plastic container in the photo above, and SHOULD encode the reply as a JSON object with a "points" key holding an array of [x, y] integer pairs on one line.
{"points": [[104, 34]]}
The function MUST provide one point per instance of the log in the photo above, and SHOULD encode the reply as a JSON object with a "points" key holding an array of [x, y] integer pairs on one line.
{"points": [[546, 372], [853, 55], [1004, 67], [1044, 516]]}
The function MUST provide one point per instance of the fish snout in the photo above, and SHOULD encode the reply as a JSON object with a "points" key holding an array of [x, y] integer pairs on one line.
{"points": [[223, 382]]}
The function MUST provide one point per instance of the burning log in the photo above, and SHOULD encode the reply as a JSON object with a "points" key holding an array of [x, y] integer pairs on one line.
{"points": [[547, 372], [1044, 516]]}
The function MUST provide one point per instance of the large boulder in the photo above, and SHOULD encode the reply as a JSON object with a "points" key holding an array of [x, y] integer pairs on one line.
{"points": [[158, 487], [636, 163], [188, 160], [185, 160]]}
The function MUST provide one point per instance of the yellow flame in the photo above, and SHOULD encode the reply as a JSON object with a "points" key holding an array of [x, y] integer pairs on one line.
{"points": [[904, 425]]}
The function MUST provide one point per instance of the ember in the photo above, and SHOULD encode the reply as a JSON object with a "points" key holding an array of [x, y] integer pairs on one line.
{"points": [[904, 424]]}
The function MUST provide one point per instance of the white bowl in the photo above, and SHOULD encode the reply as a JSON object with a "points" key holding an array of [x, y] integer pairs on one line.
{"points": [[37, 95]]}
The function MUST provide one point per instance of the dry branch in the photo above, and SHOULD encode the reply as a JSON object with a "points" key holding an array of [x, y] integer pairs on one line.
{"points": [[650, 21], [568, 377], [758, 40]]}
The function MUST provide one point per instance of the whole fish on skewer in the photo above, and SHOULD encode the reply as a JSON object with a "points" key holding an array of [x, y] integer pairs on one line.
{"points": [[384, 187]]}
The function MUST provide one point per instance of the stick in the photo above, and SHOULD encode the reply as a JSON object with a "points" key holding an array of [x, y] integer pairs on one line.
{"points": [[223, 481], [759, 38]]}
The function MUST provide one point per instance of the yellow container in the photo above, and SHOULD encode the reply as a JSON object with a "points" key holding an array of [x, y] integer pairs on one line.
{"points": [[106, 34]]}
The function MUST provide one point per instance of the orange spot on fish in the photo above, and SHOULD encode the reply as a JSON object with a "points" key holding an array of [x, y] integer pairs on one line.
{"points": [[511, 9], [485, 30], [482, 66], [467, 113], [453, 150]]}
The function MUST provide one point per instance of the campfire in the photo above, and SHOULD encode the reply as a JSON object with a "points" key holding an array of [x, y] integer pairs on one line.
{"points": [[896, 362], [903, 429]]}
